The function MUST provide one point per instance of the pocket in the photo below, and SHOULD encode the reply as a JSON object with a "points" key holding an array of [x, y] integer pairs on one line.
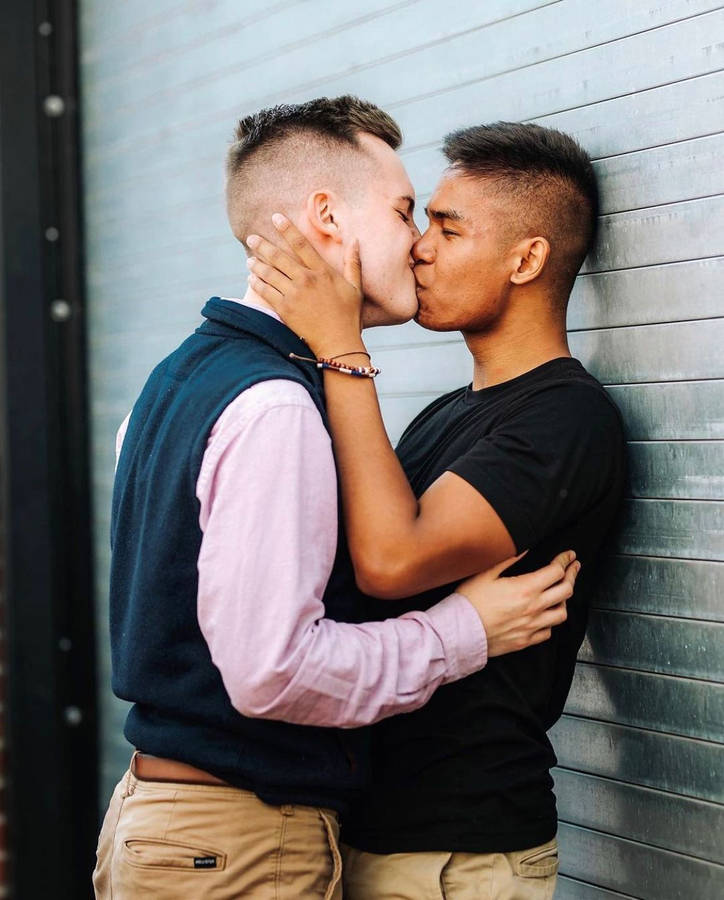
{"points": [[154, 853], [539, 862]]}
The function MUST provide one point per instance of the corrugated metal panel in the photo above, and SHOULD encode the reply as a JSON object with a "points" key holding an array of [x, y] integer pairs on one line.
{"points": [[643, 296], [649, 758], [694, 827], [669, 587], [684, 706], [571, 889], [685, 410], [630, 866], [685, 470], [656, 644], [641, 85], [690, 529]]}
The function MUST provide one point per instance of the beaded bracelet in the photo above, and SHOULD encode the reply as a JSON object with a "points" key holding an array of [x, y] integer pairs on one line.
{"points": [[360, 371], [330, 363]]}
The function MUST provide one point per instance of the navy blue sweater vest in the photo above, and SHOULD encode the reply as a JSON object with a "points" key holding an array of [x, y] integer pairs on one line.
{"points": [[161, 662]]}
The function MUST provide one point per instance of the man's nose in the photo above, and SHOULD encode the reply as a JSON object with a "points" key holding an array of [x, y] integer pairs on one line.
{"points": [[422, 250]]}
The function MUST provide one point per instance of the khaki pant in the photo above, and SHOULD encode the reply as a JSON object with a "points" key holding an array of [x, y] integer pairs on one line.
{"points": [[522, 875], [174, 841]]}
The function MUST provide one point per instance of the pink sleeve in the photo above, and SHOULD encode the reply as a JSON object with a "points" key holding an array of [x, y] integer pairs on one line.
{"points": [[121, 436], [268, 512]]}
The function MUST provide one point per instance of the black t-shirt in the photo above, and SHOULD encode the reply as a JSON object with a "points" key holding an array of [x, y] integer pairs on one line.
{"points": [[469, 772]]}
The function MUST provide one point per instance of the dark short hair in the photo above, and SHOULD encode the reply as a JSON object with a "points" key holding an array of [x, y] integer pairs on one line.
{"points": [[337, 119], [535, 161]]}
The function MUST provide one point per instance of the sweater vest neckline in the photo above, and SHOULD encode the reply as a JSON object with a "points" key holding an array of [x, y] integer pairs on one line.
{"points": [[224, 317], [252, 321]]}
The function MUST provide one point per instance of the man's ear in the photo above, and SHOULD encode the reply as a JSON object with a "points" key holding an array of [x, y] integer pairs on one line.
{"points": [[322, 210], [529, 259]]}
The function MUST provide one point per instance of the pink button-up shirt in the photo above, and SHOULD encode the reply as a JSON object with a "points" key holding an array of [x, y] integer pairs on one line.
{"points": [[267, 490]]}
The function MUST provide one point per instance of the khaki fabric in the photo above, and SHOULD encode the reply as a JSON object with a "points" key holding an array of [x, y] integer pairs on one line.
{"points": [[522, 875], [167, 841]]}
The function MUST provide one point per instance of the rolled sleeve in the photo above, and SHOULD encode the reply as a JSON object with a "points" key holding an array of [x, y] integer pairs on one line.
{"points": [[462, 635]]}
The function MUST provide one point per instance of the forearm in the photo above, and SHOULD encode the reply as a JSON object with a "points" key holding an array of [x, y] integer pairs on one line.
{"points": [[401, 546], [380, 508], [342, 675]]}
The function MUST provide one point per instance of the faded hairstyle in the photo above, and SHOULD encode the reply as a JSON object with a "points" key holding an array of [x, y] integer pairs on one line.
{"points": [[549, 178], [281, 153]]}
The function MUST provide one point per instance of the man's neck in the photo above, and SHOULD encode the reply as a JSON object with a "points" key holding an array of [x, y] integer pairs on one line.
{"points": [[251, 298], [512, 349]]}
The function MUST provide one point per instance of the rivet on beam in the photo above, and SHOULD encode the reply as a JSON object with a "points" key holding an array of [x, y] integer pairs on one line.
{"points": [[60, 310], [53, 106]]}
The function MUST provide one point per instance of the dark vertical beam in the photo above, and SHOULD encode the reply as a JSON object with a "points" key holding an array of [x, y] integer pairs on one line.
{"points": [[52, 741]]}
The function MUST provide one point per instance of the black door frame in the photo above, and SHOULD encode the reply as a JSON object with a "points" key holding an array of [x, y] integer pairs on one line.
{"points": [[51, 719]]}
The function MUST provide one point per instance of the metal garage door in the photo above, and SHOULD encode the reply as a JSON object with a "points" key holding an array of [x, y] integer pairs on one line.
{"points": [[639, 781]]}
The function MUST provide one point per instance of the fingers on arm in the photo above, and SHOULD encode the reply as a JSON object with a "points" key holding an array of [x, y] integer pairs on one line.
{"points": [[549, 575], [501, 567], [538, 637], [540, 629], [559, 593]]}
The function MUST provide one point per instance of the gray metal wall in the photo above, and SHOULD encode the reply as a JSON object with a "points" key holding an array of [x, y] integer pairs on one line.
{"points": [[640, 85]]}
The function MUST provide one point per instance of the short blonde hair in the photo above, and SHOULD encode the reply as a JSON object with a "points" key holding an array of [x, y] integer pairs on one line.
{"points": [[276, 151]]}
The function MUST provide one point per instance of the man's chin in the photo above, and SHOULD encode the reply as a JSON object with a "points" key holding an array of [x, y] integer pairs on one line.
{"points": [[427, 320], [374, 315]]}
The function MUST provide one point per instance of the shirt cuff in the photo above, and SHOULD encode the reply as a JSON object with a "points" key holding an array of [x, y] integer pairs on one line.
{"points": [[462, 634]]}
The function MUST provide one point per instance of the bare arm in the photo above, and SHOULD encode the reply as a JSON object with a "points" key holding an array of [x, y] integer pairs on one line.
{"points": [[399, 545]]}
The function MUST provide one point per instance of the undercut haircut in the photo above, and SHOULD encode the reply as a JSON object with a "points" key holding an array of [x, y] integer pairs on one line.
{"points": [[278, 154], [549, 177]]}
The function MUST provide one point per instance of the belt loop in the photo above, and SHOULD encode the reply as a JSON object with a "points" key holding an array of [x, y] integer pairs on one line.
{"points": [[129, 789]]}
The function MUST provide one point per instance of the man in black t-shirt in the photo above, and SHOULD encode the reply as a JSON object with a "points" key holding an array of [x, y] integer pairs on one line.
{"points": [[530, 456], [471, 769]]}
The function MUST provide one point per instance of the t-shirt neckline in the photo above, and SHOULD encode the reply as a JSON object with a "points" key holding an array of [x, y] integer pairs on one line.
{"points": [[482, 394]]}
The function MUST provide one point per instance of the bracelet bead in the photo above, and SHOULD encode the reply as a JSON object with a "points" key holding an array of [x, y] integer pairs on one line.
{"points": [[326, 362], [359, 371]]}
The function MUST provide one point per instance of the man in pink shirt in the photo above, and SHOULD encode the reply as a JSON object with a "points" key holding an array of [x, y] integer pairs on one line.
{"points": [[235, 620]]}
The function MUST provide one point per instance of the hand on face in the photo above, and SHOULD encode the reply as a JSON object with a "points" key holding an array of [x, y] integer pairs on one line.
{"points": [[315, 301]]}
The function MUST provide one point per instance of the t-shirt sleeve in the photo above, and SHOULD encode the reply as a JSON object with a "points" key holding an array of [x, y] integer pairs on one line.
{"points": [[548, 462]]}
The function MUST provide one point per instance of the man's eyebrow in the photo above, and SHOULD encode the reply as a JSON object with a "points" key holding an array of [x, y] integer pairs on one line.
{"points": [[410, 201], [438, 214]]}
